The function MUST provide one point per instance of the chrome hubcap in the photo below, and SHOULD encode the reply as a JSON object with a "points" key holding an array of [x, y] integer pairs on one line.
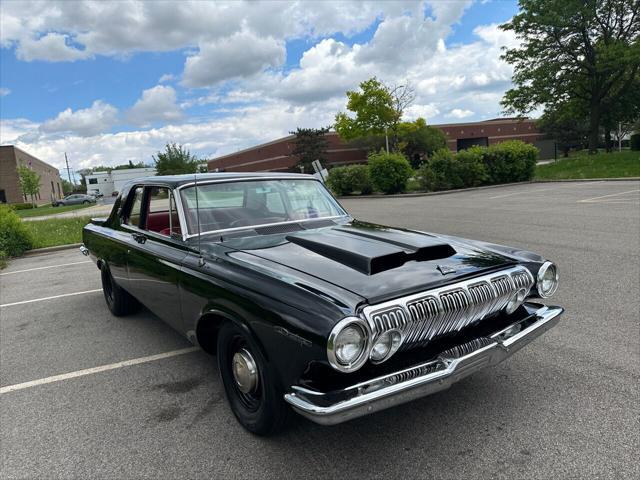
{"points": [[245, 371]]}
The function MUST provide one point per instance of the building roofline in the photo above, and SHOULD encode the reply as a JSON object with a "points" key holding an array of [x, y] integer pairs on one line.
{"points": [[31, 155], [248, 149], [331, 133]]}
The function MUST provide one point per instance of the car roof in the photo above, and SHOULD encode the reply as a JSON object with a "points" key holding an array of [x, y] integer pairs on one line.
{"points": [[177, 180]]}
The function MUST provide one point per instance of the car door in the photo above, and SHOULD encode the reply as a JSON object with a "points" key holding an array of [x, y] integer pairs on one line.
{"points": [[155, 257]]}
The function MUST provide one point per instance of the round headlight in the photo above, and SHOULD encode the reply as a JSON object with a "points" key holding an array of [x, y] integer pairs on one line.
{"points": [[385, 346], [515, 301], [547, 280], [347, 345]]}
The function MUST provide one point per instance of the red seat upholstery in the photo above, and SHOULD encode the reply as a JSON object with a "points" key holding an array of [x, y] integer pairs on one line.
{"points": [[157, 222]]}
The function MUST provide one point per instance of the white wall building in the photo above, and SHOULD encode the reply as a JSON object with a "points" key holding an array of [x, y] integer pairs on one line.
{"points": [[108, 182]]}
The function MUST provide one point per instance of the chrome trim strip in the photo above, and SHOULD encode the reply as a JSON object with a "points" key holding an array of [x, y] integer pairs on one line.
{"points": [[423, 316], [330, 408]]}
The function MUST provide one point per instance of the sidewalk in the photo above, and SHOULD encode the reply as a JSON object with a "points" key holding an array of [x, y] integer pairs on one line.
{"points": [[96, 211]]}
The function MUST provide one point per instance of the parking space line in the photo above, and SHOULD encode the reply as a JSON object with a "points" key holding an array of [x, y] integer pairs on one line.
{"points": [[91, 371], [520, 193], [49, 298], [591, 200], [44, 268]]}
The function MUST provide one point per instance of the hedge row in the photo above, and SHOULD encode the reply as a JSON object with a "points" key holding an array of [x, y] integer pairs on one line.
{"points": [[384, 172], [22, 206], [15, 238], [506, 162]]}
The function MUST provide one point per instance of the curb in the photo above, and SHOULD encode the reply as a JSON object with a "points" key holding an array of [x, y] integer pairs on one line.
{"points": [[485, 187], [57, 248], [617, 179]]}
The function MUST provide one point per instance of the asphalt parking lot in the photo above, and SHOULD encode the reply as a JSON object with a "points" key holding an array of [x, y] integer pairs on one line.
{"points": [[567, 406]]}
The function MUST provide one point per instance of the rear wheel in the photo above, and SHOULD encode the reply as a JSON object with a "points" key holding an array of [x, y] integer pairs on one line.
{"points": [[119, 301], [251, 384]]}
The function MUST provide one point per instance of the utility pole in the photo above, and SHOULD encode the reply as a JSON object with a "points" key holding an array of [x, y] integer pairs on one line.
{"points": [[68, 169]]}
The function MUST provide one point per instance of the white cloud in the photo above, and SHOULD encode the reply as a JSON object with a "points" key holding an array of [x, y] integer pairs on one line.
{"points": [[4, 91], [460, 113], [12, 129], [246, 126], [157, 104], [167, 77], [241, 55], [235, 52], [52, 47], [84, 122]]}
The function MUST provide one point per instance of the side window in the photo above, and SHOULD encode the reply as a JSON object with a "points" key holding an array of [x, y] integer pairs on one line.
{"points": [[162, 216], [132, 217]]}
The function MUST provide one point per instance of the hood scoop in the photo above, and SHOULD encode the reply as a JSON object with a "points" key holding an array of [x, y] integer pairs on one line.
{"points": [[370, 254]]}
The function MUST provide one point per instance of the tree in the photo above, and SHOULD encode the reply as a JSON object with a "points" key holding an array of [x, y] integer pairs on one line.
{"points": [[175, 160], [374, 110], [565, 124], [310, 144], [67, 186], [417, 139], [585, 51], [29, 182]]}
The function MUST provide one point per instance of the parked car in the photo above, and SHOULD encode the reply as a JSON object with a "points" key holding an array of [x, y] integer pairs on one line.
{"points": [[74, 199], [306, 307]]}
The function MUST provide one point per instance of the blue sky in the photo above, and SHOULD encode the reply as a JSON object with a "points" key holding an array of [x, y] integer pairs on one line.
{"points": [[112, 82]]}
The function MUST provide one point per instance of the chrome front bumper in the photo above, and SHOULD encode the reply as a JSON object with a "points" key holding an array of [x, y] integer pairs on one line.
{"points": [[330, 408]]}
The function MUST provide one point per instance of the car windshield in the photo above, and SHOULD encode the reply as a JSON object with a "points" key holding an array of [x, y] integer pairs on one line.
{"points": [[241, 204]]}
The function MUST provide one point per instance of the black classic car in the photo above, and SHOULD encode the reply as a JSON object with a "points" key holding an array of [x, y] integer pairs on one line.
{"points": [[306, 307]]}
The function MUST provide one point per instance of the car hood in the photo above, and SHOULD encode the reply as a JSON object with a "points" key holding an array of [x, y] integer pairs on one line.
{"points": [[373, 261]]}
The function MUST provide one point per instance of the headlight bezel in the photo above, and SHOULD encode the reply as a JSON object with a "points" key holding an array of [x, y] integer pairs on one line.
{"points": [[331, 344], [540, 277]]}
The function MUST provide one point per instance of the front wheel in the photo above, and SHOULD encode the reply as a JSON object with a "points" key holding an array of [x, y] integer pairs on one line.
{"points": [[119, 301], [86, 202], [250, 382]]}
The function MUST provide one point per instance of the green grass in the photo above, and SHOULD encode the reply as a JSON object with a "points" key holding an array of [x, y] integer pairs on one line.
{"points": [[600, 165], [49, 210], [57, 231]]}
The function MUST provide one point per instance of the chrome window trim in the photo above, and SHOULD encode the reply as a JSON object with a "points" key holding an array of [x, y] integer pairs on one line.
{"points": [[443, 320], [177, 200], [186, 236]]}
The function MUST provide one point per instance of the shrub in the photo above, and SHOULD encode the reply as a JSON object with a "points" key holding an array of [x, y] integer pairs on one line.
{"points": [[511, 161], [15, 238], [389, 171], [470, 167], [353, 178], [22, 206], [445, 171], [634, 141], [440, 173]]}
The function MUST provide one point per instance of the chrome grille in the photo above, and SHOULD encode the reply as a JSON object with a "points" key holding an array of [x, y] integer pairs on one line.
{"points": [[428, 315]]}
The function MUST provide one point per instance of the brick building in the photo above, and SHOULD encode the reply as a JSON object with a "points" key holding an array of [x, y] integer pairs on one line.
{"points": [[274, 155], [10, 158]]}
